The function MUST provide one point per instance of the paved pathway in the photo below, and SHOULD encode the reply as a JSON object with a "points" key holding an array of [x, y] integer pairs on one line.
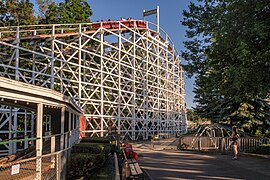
{"points": [[172, 164]]}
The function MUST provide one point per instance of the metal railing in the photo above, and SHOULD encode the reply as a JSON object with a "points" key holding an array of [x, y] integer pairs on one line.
{"points": [[117, 174], [51, 165]]}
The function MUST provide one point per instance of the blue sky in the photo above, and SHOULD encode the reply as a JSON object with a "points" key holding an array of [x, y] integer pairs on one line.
{"points": [[170, 16]]}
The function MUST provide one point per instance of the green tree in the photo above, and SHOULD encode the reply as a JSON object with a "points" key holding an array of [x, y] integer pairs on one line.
{"points": [[194, 117], [228, 50], [70, 11], [190, 115], [16, 12], [43, 6]]}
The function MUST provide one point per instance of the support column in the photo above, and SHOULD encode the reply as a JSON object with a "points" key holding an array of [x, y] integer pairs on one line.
{"points": [[119, 87], [62, 128], [66, 136], [168, 127], [74, 139], [34, 66], [14, 147], [101, 81], [70, 134], [17, 53], [39, 140], [53, 150], [32, 128], [52, 58], [159, 91], [77, 117], [80, 64], [25, 130], [134, 101], [62, 159], [10, 145], [148, 129], [172, 90]]}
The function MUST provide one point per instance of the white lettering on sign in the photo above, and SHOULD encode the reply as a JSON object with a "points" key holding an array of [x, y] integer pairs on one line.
{"points": [[15, 169]]}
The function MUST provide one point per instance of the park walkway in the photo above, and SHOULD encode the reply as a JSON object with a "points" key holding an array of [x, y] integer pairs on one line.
{"points": [[165, 162]]}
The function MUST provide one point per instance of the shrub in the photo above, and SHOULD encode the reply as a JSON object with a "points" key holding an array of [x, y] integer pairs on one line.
{"points": [[88, 156], [87, 148], [82, 164], [107, 151], [263, 149], [92, 148]]}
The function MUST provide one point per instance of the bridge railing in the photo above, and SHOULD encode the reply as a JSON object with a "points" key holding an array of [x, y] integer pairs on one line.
{"points": [[245, 144]]}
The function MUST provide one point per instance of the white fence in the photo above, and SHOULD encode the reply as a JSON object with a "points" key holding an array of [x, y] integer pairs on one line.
{"points": [[220, 143]]}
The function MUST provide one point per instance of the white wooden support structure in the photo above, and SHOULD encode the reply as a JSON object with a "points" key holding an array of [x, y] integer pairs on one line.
{"points": [[10, 132], [102, 83], [25, 130], [70, 130], [127, 72], [39, 145]]}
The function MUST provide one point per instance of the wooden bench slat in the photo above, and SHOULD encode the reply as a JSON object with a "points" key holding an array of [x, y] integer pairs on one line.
{"points": [[132, 170], [138, 169], [131, 160]]}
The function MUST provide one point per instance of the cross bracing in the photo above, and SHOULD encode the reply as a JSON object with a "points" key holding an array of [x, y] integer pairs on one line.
{"points": [[126, 76]]}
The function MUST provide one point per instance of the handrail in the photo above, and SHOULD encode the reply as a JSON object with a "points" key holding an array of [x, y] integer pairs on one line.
{"points": [[117, 174], [34, 138], [20, 140], [36, 157]]}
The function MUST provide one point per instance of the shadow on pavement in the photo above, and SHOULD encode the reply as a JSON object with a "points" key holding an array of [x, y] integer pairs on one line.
{"points": [[172, 164]]}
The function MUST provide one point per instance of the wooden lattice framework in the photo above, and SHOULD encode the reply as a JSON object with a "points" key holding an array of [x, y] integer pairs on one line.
{"points": [[125, 77]]}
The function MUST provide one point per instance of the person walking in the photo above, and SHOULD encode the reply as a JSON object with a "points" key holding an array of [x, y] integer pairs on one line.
{"points": [[234, 139]]}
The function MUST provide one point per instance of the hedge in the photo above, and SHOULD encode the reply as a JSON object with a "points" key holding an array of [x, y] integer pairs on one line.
{"points": [[263, 149], [81, 164], [89, 148], [95, 140], [87, 156]]}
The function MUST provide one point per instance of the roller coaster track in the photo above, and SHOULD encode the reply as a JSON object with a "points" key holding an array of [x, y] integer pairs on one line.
{"points": [[122, 74]]}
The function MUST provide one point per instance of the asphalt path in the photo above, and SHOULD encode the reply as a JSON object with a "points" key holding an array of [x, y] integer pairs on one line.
{"points": [[172, 164]]}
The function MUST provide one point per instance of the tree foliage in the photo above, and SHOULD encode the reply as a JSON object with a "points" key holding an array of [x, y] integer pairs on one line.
{"points": [[69, 11], [43, 6], [20, 12], [16, 12], [194, 117], [228, 50]]}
